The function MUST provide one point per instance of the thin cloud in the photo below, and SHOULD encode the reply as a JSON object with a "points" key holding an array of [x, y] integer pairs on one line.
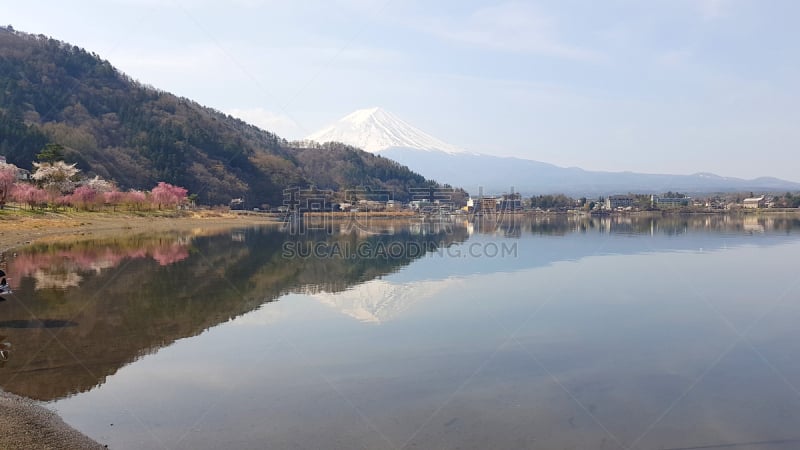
{"points": [[267, 120], [512, 27], [674, 58], [712, 9]]}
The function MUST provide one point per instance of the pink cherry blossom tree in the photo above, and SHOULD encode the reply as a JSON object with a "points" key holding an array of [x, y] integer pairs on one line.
{"points": [[29, 194], [113, 198], [84, 197], [135, 199], [165, 194], [8, 176]]}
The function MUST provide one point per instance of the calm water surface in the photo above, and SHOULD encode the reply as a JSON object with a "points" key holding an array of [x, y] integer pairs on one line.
{"points": [[566, 334]]}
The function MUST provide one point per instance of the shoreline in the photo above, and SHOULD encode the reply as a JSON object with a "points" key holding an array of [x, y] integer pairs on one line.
{"points": [[25, 423], [17, 230]]}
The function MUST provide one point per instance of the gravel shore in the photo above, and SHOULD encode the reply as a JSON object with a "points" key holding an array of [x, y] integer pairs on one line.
{"points": [[26, 425]]}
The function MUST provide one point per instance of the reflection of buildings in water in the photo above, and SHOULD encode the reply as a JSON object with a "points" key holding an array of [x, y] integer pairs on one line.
{"points": [[621, 225], [669, 225], [500, 224], [623, 220], [753, 224], [433, 225], [512, 232], [515, 225], [364, 226]]}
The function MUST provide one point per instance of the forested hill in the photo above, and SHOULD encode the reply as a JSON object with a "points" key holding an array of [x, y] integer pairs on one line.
{"points": [[135, 135]]}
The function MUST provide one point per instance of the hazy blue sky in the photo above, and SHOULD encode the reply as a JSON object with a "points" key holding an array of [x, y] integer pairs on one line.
{"points": [[676, 86]]}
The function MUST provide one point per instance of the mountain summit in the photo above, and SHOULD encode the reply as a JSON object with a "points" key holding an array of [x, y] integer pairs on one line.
{"points": [[375, 130]]}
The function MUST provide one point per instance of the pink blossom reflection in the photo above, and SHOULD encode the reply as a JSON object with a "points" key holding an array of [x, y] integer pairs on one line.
{"points": [[60, 265]]}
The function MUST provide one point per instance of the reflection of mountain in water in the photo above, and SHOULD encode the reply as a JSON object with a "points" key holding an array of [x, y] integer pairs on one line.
{"points": [[128, 309], [379, 301], [138, 294]]}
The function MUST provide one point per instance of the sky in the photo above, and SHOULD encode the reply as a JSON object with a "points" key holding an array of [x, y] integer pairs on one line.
{"points": [[658, 86]]}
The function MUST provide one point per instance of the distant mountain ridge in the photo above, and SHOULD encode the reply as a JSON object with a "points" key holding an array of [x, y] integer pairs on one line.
{"points": [[495, 174], [134, 134]]}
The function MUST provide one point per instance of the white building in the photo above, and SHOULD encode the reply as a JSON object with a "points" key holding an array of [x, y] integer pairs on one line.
{"points": [[619, 201], [754, 202], [670, 202]]}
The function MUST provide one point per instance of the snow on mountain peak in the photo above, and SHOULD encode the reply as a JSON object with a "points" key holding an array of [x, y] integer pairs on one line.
{"points": [[375, 129], [362, 115]]}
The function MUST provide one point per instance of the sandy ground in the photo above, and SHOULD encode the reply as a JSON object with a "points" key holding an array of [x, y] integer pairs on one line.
{"points": [[23, 423], [19, 230]]}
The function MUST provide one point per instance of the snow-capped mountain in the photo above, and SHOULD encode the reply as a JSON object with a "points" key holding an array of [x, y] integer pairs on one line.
{"points": [[379, 131], [375, 130]]}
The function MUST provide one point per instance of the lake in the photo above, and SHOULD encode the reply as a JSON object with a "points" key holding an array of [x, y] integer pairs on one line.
{"points": [[552, 333]]}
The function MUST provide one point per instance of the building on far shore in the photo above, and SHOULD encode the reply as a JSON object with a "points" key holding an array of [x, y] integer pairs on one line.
{"points": [[754, 202], [619, 201], [511, 202], [488, 205], [670, 202]]}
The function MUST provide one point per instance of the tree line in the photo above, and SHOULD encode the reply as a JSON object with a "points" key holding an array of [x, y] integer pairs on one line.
{"points": [[57, 184]]}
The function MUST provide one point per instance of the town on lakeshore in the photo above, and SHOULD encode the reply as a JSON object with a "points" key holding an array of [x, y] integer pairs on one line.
{"points": [[453, 201]]}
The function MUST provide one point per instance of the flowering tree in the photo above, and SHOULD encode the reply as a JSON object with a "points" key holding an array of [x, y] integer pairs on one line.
{"points": [[56, 177], [113, 198], [135, 199], [165, 194], [63, 201], [83, 197], [100, 185], [28, 193], [8, 176]]}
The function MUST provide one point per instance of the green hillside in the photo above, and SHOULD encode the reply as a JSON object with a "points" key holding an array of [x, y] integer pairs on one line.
{"points": [[135, 135]]}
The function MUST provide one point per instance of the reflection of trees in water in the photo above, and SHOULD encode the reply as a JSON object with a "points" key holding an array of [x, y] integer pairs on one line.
{"points": [[63, 265], [123, 312]]}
